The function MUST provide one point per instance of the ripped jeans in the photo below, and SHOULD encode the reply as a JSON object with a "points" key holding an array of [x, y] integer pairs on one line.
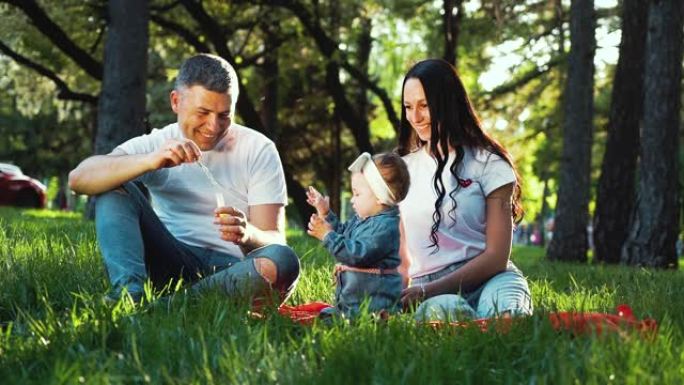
{"points": [[135, 246]]}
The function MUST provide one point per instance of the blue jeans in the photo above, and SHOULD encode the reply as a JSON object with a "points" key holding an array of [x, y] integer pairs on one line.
{"points": [[136, 246], [506, 292], [381, 291]]}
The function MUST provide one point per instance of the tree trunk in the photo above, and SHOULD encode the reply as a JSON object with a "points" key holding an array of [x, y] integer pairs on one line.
{"points": [[297, 192], [121, 113], [364, 46], [121, 109], [335, 177], [543, 212], [569, 241], [269, 72], [558, 9], [615, 195], [451, 25], [357, 124], [655, 225]]}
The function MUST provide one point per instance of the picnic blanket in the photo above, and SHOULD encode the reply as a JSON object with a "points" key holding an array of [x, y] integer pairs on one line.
{"points": [[577, 323]]}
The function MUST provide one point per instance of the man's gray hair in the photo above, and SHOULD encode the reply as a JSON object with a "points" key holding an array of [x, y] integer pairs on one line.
{"points": [[209, 71]]}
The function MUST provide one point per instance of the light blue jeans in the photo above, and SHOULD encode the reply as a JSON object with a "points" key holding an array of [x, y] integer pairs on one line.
{"points": [[135, 246], [506, 292], [381, 291]]}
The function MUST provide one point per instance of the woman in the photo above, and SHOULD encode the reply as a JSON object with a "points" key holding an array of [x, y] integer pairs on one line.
{"points": [[457, 219]]}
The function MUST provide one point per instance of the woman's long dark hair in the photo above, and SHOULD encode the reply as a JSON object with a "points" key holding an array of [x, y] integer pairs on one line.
{"points": [[455, 124]]}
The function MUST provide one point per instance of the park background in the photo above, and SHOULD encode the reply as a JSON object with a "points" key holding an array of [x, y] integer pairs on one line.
{"points": [[585, 94]]}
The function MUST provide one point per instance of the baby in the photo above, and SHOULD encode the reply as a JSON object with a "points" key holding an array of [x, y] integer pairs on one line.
{"points": [[366, 247]]}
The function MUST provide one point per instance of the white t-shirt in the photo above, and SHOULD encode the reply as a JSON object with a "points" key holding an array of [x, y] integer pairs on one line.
{"points": [[244, 162], [460, 240]]}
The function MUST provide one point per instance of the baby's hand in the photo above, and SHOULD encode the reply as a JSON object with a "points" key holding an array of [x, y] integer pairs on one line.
{"points": [[318, 201], [318, 227]]}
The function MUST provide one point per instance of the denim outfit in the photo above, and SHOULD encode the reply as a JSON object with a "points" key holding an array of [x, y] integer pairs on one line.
{"points": [[505, 292], [366, 243], [136, 245]]}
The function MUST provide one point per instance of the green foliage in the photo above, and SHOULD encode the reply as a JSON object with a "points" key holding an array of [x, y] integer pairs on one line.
{"points": [[524, 42], [401, 31], [55, 328], [43, 145], [52, 189]]}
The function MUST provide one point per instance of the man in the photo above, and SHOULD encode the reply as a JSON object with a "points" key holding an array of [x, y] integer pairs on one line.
{"points": [[239, 247]]}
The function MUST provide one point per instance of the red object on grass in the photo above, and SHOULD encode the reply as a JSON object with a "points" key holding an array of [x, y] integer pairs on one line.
{"points": [[574, 322], [304, 314], [583, 323]]}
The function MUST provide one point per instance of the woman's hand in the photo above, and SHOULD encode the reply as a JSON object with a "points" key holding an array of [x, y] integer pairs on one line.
{"points": [[412, 296], [318, 227], [318, 201]]}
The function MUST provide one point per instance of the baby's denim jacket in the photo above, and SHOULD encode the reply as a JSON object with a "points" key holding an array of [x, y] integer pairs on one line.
{"points": [[366, 243]]}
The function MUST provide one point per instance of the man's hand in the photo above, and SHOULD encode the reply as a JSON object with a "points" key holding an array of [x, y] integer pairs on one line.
{"points": [[318, 227], [173, 153], [233, 225], [318, 201]]}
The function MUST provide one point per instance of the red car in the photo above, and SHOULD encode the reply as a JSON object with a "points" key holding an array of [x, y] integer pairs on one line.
{"points": [[17, 189]]}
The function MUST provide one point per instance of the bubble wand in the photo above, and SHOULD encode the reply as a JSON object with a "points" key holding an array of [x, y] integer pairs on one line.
{"points": [[219, 196]]}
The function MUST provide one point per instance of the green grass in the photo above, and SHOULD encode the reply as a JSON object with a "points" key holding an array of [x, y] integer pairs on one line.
{"points": [[55, 328]]}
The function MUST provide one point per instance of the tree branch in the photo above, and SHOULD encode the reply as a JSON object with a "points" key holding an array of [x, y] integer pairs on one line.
{"points": [[64, 92], [246, 40], [330, 50], [252, 60], [165, 8], [189, 37], [524, 79], [58, 37], [98, 39], [357, 125]]}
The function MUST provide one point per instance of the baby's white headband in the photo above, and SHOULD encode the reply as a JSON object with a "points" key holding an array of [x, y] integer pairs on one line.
{"points": [[365, 165]]}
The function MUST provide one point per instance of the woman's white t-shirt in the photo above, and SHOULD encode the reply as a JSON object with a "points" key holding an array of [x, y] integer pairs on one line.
{"points": [[481, 172], [244, 162]]}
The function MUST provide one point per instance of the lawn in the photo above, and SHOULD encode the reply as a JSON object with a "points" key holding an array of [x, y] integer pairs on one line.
{"points": [[56, 329]]}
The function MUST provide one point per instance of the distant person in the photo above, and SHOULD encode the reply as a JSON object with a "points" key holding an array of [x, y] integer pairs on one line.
{"points": [[366, 247], [535, 238], [238, 247], [458, 215], [60, 201]]}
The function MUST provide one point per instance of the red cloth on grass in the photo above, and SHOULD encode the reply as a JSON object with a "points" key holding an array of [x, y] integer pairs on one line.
{"points": [[574, 322]]}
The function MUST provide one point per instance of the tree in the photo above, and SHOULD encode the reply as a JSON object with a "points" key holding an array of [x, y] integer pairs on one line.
{"points": [[245, 41], [49, 141], [121, 114], [451, 24], [616, 188], [569, 241], [655, 224], [309, 82]]}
